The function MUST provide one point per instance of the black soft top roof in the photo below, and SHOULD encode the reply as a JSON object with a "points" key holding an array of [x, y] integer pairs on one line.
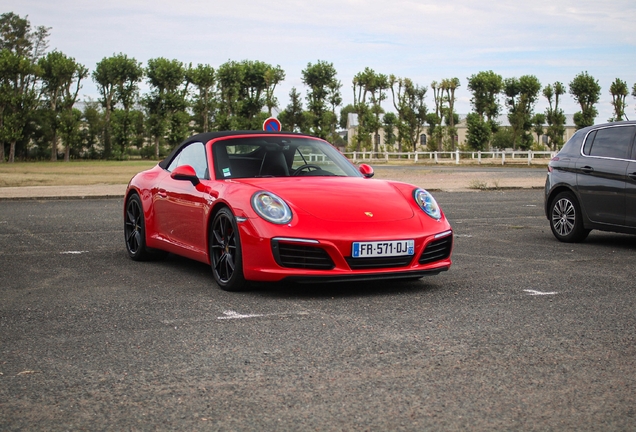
{"points": [[207, 136]]}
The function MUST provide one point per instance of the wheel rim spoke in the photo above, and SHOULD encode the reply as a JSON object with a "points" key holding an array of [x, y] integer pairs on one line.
{"points": [[220, 267], [218, 238], [137, 238], [230, 264]]}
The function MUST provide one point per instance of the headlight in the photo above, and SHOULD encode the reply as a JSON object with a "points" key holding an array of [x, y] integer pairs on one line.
{"points": [[271, 208], [427, 203]]}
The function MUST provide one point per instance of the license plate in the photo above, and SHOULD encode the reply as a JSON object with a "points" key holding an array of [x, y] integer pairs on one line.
{"points": [[382, 248]]}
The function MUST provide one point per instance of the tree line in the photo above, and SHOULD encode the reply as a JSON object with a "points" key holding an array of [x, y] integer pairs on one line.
{"points": [[39, 106]]}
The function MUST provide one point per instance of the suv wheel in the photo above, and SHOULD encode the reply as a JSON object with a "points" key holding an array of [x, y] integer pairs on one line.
{"points": [[566, 220]]}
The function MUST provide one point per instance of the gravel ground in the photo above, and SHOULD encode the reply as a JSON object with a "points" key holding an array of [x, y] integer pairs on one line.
{"points": [[524, 333]]}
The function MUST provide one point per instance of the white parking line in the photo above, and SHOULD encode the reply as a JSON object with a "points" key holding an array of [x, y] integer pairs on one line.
{"points": [[235, 315], [536, 293], [230, 314], [73, 252]]}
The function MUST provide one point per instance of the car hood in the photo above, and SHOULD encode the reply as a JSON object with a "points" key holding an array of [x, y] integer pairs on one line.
{"points": [[342, 199]]}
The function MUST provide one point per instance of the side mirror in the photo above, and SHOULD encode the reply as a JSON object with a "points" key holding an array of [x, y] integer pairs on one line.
{"points": [[185, 172], [366, 170]]}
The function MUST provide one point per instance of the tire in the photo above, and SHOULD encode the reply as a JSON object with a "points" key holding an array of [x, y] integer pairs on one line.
{"points": [[566, 219], [135, 229], [226, 256]]}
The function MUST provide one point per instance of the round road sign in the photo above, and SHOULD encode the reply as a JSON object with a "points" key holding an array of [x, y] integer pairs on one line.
{"points": [[271, 124]]}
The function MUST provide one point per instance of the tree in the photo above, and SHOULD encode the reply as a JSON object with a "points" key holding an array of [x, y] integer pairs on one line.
{"points": [[61, 80], [117, 78], [203, 79], [389, 125], [586, 91], [503, 138], [554, 115], [229, 76], [374, 86], [334, 99], [434, 131], [127, 91], [538, 122], [408, 101], [361, 108], [91, 133], [104, 77], [479, 132], [273, 76], [485, 88], [292, 118], [166, 102], [449, 86], [435, 121], [17, 37], [244, 89], [475, 135], [17, 99], [323, 86], [70, 132], [619, 91], [522, 94], [20, 50], [252, 93]]}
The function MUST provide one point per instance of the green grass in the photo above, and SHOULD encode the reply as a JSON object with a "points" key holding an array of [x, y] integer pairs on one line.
{"points": [[70, 173]]}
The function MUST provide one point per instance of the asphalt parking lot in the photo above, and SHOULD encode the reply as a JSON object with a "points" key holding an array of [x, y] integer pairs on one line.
{"points": [[523, 333]]}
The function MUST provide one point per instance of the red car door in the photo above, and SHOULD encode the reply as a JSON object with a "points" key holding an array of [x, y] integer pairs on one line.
{"points": [[181, 207]]}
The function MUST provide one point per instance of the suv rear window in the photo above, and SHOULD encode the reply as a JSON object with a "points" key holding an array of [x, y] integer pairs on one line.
{"points": [[611, 142]]}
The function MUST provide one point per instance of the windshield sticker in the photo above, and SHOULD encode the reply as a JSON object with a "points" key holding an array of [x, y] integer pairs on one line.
{"points": [[226, 172]]}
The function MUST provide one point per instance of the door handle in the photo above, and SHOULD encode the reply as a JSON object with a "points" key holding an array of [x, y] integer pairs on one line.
{"points": [[162, 193], [632, 175], [587, 169]]}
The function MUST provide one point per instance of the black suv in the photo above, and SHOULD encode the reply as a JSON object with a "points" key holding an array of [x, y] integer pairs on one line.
{"points": [[591, 183]]}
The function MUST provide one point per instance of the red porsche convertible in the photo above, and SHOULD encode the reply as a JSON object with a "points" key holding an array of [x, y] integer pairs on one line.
{"points": [[272, 206]]}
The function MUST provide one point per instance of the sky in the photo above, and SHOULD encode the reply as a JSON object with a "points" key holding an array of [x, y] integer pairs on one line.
{"points": [[424, 40]]}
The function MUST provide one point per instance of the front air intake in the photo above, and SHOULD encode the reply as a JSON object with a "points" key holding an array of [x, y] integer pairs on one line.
{"points": [[437, 250], [301, 256]]}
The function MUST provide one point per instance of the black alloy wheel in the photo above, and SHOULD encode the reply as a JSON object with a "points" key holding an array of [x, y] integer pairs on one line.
{"points": [[225, 252], [134, 229], [565, 219]]}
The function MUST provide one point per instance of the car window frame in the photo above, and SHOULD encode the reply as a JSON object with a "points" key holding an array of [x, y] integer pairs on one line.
{"points": [[176, 158]]}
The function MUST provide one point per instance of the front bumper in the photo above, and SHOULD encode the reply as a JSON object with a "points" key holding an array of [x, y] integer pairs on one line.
{"points": [[272, 254]]}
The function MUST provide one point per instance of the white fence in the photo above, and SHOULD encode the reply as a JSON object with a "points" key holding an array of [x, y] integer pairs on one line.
{"points": [[456, 157]]}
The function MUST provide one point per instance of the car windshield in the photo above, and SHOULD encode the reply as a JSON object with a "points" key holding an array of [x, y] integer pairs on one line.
{"points": [[278, 156]]}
